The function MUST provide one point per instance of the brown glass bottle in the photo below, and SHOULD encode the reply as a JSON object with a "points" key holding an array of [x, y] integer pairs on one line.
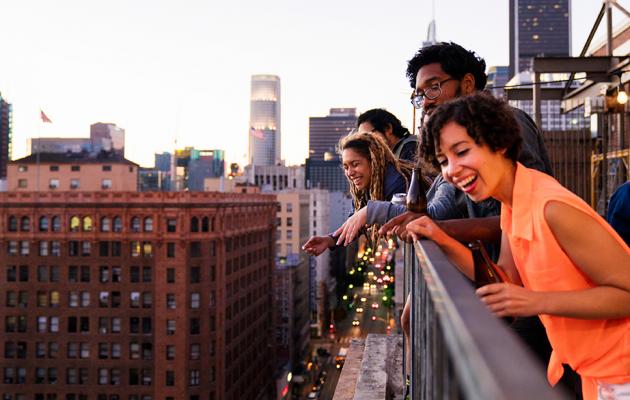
{"points": [[486, 272], [417, 193]]}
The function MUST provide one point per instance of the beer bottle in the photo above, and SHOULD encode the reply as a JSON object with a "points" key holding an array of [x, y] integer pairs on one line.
{"points": [[486, 272], [417, 194]]}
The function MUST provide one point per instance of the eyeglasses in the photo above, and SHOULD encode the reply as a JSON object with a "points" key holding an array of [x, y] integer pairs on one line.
{"points": [[432, 93]]}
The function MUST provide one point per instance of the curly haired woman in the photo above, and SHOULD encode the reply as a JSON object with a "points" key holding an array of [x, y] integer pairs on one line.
{"points": [[567, 265]]}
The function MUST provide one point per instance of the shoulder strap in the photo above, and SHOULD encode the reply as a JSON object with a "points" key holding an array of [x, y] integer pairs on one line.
{"points": [[407, 139]]}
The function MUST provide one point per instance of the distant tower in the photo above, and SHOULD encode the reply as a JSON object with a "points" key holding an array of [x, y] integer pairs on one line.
{"points": [[5, 136], [264, 121], [431, 40], [324, 132], [538, 28]]}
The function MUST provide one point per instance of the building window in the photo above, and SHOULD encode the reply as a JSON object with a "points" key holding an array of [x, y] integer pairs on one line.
{"points": [[74, 183], [88, 224], [24, 248], [194, 377], [171, 225], [170, 301], [22, 183], [135, 224], [195, 275], [117, 224], [56, 224], [106, 224], [170, 352], [194, 224], [148, 224], [170, 327], [170, 250], [53, 184], [43, 248], [43, 224], [22, 168], [195, 351], [75, 224], [170, 378], [107, 167], [195, 326], [195, 300], [106, 184], [25, 224]]}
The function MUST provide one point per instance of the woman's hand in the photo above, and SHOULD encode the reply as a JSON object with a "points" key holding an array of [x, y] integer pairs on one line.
{"points": [[509, 300], [398, 225], [424, 226], [351, 228], [316, 245]]}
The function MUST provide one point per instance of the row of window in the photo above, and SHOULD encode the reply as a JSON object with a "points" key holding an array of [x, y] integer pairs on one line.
{"points": [[106, 376], [83, 248], [73, 168], [106, 274], [107, 224], [106, 350], [105, 299], [54, 183], [137, 325]]}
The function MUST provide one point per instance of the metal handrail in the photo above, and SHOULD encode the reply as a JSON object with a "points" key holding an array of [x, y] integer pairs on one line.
{"points": [[458, 349]]}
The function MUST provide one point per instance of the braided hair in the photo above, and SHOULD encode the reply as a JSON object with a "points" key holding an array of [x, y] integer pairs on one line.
{"points": [[375, 150]]}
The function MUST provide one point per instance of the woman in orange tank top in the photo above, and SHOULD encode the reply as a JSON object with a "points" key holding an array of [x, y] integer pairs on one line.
{"points": [[568, 265]]}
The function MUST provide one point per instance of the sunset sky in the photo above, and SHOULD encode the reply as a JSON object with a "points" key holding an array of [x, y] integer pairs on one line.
{"points": [[167, 70]]}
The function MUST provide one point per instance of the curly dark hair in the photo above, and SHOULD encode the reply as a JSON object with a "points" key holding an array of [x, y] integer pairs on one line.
{"points": [[380, 118], [486, 119], [454, 60]]}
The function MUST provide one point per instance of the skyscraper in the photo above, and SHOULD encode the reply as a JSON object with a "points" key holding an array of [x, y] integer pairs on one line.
{"points": [[5, 136], [264, 120], [324, 132], [538, 28]]}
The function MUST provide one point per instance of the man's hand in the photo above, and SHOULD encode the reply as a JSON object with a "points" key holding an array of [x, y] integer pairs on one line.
{"points": [[351, 228], [316, 245], [398, 225], [509, 300]]}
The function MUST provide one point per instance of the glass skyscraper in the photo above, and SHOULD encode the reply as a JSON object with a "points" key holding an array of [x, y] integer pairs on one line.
{"points": [[264, 120]]}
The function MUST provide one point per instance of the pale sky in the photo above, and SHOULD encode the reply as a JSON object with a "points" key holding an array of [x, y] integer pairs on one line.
{"points": [[166, 69]]}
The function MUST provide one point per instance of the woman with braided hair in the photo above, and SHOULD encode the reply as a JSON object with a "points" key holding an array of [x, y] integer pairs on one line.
{"points": [[373, 173]]}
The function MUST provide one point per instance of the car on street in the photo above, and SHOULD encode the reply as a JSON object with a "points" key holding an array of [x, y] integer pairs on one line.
{"points": [[355, 322]]}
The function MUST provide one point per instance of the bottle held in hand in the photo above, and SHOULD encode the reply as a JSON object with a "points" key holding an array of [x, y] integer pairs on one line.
{"points": [[486, 272], [417, 194]]}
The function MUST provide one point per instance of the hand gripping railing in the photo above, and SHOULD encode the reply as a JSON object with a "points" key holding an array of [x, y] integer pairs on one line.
{"points": [[459, 350]]}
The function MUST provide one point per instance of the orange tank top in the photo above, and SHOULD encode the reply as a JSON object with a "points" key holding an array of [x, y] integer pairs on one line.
{"points": [[596, 349]]}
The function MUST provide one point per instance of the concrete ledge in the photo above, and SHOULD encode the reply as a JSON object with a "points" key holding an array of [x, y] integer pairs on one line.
{"points": [[350, 372], [373, 369]]}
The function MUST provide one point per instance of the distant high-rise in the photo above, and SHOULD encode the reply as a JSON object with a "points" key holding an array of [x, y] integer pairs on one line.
{"points": [[264, 120], [324, 132], [5, 136], [107, 137], [538, 28]]}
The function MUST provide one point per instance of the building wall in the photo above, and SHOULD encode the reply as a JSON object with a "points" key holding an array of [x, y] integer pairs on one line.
{"points": [[24, 177], [275, 178], [201, 266]]}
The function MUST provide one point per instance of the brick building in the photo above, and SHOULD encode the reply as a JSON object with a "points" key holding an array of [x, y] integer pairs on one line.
{"points": [[135, 296]]}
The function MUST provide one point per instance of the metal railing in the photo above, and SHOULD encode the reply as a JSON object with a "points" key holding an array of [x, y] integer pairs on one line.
{"points": [[458, 349]]}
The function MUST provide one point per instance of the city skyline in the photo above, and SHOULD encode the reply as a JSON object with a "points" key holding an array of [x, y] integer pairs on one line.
{"points": [[165, 71]]}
